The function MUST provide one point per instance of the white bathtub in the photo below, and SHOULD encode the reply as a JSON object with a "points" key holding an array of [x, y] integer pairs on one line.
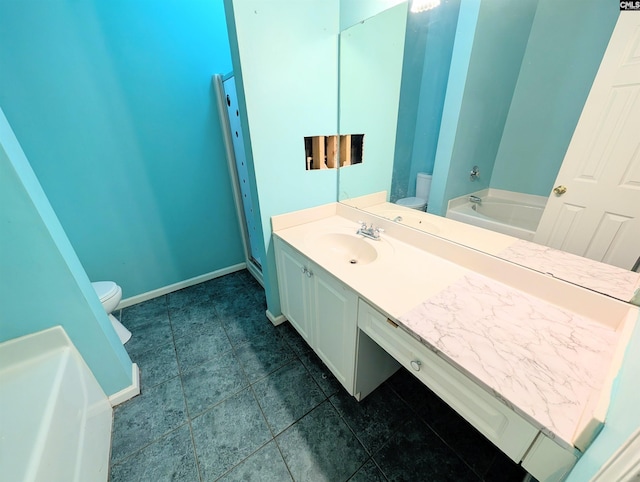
{"points": [[505, 212], [55, 420]]}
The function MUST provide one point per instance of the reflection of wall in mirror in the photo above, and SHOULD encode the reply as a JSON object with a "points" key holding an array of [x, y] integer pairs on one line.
{"points": [[516, 116], [427, 58], [370, 74]]}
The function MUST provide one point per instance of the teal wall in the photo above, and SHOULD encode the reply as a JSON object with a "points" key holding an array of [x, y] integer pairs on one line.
{"points": [[43, 282], [478, 115], [623, 416], [369, 96], [565, 48], [355, 11], [425, 72], [113, 105], [288, 88], [462, 46]]}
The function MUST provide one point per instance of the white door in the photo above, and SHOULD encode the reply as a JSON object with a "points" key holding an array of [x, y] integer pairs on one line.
{"points": [[599, 214]]}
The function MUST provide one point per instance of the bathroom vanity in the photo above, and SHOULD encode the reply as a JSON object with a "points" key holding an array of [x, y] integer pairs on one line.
{"points": [[527, 359]]}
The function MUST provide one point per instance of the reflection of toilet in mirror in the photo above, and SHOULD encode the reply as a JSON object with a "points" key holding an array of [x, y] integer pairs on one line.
{"points": [[110, 295], [419, 201]]}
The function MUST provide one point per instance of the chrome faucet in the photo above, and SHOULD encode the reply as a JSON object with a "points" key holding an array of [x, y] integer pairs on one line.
{"points": [[370, 231], [475, 199], [474, 173]]}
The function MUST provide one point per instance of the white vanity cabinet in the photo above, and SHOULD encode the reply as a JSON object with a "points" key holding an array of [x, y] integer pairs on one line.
{"points": [[350, 314], [322, 309], [295, 288]]}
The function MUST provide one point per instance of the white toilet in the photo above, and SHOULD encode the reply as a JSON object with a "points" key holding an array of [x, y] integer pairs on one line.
{"points": [[110, 295], [419, 202]]}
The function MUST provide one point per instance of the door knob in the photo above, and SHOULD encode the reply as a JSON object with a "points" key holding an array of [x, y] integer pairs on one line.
{"points": [[416, 364], [559, 190]]}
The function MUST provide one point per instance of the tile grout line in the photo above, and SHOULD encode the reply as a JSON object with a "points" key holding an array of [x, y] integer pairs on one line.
{"points": [[249, 333], [435, 432], [184, 396]]}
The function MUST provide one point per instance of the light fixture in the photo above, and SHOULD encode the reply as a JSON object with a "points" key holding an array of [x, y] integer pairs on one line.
{"points": [[418, 6]]}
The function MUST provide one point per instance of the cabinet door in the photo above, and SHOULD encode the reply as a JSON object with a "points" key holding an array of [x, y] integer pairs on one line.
{"points": [[336, 309], [293, 281]]}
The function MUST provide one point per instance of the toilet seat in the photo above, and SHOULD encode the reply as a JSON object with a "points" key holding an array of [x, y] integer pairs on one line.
{"points": [[412, 202], [105, 290]]}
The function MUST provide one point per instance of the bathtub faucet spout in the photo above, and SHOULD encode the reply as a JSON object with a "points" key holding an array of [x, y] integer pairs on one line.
{"points": [[475, 199]]}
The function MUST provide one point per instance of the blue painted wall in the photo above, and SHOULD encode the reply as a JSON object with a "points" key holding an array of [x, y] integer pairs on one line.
{"points": [[369, 97], [462, 47], [288, 88], [112, 103], [425, 72], [43, 282], [478, 118], [565, 48], [355, 11]]}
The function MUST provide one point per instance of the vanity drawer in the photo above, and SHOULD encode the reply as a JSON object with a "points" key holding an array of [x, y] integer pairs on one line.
{"points": [[501, 425]]}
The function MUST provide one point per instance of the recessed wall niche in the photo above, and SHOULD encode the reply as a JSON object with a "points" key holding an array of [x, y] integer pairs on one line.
{"points": [[329, 152]]}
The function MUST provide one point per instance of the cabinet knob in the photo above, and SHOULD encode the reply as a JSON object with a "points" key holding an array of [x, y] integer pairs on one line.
{"points": [[416, 364]]}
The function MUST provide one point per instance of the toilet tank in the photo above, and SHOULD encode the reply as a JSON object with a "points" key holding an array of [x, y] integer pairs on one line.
{"points": [[423, 185]]}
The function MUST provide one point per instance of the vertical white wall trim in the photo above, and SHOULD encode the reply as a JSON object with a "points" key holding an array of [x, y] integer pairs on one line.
{"points": [[130, 391], [624, 464]]}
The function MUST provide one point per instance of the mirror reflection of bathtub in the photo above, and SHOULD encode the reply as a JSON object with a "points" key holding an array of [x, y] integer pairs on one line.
{"points": [[505, 212]]}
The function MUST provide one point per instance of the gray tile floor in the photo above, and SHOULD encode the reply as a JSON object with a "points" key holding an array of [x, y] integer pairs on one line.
{"points": [[227, 396]]}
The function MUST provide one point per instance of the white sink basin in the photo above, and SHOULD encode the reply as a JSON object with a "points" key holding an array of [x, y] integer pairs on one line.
{"points": [[342, 246], [347, 248]]}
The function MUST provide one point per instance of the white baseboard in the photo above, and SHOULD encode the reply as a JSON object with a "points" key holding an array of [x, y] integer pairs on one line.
{"points": [[149, 295], [276, 320], [130, 391]]}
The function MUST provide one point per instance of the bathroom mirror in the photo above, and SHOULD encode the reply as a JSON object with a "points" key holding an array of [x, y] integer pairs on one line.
{"points": [[371, 55], [516, 77]]}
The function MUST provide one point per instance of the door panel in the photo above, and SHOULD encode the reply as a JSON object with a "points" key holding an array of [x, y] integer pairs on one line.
{"points": [[294, 293], [599, 215], [336, 327]]}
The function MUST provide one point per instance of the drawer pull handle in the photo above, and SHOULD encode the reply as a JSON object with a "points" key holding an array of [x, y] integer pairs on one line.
{"points": [[392, 323], [416, 364]]}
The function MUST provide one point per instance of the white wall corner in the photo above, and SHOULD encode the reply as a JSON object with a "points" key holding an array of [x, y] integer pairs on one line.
{"points": [[276, 320], [130, 391]]}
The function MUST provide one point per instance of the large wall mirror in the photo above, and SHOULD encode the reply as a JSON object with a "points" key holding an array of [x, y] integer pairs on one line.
{"points": [[497, 86]]}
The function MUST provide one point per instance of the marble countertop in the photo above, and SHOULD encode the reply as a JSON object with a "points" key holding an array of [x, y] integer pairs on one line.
{"points": [[604, 278], [542, 346], [543, 361]]}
